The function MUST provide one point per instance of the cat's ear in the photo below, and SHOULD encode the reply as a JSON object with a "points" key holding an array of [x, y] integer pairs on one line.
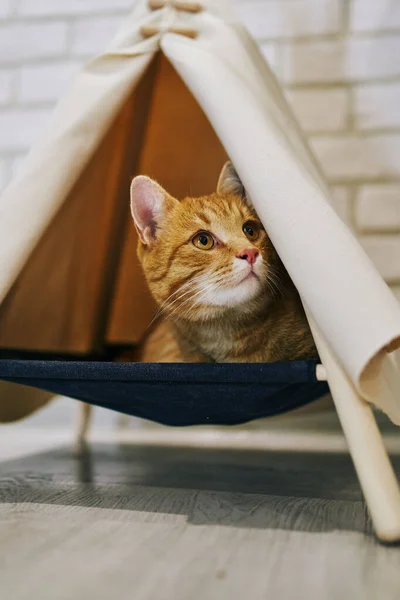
{"points": [[149, 205], [229, 182]]}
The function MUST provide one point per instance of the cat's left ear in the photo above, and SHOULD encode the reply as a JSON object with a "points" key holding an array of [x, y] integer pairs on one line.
{"points": [[229, 182], [149, 206]]}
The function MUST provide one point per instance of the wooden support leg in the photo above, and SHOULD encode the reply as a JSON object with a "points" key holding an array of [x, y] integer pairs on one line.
{"points": [[84, 418], [377, 478]]}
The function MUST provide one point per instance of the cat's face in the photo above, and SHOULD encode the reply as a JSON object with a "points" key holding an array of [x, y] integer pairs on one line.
{"points": [[201, 255]]}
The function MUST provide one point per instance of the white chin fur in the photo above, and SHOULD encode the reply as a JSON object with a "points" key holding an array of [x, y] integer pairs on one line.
{"points": [[243, 292], [238, 293]]}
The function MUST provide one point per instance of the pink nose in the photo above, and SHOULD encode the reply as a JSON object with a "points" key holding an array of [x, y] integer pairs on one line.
{"points": [[250, 255]]}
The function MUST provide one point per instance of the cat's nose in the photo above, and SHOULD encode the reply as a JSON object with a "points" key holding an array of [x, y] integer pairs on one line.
{"points": [[250, 255]]}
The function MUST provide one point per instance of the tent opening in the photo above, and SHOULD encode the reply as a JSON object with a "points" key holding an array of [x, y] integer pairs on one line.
{"points": [[82, 290]]}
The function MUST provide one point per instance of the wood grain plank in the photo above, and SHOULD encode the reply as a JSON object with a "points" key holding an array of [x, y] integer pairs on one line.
{"points": [[110, 526]]}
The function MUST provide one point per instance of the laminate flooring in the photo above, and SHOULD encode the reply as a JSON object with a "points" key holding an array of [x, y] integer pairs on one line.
{"points": [[161, 523]]}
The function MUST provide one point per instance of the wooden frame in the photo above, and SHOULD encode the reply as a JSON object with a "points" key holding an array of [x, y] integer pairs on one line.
{"points": [[371, 461]]}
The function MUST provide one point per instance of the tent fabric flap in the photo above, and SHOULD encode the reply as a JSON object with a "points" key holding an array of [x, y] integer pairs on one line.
{"points": [[352, 305]]}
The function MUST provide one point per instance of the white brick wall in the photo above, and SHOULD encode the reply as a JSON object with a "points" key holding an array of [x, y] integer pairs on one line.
{"points": [[356, 157], [25, 42], [378, 208], [15, 164], [320, 110], [45, 82], [345, 60], [311, 62], [338, 60], [288, 18], [6, 87], [376, 105], [381, 250], [90, 36], [21, 128], [46, 8], [3, 172], [5, 8], [379, 15]]}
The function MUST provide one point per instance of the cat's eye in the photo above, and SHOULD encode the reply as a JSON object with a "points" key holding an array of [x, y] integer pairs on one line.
{"points": [[251, 230], [203, 240]]}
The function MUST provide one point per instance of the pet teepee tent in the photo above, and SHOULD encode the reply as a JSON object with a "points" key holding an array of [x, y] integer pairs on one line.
{"points": [[181, 87]]}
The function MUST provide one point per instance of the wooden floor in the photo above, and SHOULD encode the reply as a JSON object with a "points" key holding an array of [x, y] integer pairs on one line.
{"points": [[153, 523]]}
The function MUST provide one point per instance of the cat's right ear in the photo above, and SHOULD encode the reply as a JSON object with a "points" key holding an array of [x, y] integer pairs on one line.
{"points": [[229, 181], [149, 204]]}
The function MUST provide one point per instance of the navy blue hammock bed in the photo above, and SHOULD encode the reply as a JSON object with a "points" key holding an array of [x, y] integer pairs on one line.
{"points": [[176, 394]]}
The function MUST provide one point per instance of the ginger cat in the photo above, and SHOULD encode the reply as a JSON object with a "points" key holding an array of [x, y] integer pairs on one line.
{"points": [[223, 293], [216, 276]]}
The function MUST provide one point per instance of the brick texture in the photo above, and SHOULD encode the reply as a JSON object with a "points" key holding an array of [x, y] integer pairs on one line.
{"points": [[359, 156], [286, 18], [27, 42], [320, 110], [5, 8], [90, 36], [357, 59], [372, 57], [16, 163], [337, 60], [46, 8], [384, 251], [376, 105], [20, 129], [381, 15], [378, 208], [45, 83], [6, 87], [311, 62], [3, 173]]}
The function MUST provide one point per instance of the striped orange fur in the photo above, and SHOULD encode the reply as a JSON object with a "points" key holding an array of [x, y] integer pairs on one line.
{"points": [[223, 293]]}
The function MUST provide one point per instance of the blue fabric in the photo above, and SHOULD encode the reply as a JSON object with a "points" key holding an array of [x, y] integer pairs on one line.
{"points": [[176, 394]]}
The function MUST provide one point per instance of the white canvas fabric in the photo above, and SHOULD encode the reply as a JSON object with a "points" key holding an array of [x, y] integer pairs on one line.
{"points": [[223, 68]]}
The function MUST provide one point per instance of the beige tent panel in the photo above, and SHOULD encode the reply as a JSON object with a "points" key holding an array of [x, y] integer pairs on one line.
{"points": [[59, 302], [82, 286]]}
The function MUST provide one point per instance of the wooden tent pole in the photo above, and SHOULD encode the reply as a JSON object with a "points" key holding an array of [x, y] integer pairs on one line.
{"points": [[375, 472]]}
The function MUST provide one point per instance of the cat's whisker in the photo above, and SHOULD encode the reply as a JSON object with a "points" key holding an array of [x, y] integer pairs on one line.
{"points": [[273, 282], [192, 283], [192, 298], [177, 300], [272, 288], [185, 302], [276, 284], [165, 305], [186, 284], [213, 286], [178, 307]]}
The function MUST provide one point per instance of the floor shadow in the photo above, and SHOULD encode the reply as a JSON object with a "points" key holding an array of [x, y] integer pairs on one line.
{"points": [[296, 491]]}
